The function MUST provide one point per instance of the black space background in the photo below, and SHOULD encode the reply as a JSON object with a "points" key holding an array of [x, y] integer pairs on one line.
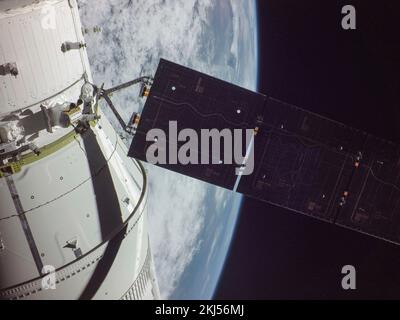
{"points": [[307, 59]]}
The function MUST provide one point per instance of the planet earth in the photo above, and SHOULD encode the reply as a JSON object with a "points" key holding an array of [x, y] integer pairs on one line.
{"points": [[191, 223]]}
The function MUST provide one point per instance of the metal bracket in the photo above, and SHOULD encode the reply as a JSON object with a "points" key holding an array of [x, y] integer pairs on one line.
{"points": [[67, 46]]}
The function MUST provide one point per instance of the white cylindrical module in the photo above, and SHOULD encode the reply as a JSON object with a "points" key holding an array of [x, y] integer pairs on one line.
{"points": [[72, 205]]}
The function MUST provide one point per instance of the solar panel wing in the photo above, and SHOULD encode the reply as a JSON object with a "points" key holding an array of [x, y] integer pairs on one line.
{"points": [[190, 99], [302, 161]]}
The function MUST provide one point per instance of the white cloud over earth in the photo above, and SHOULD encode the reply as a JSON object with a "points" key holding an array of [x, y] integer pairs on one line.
{"points": [[203, 34]]}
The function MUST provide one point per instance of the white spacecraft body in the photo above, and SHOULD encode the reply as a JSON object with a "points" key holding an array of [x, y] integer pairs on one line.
{"points": [[72, 205]]}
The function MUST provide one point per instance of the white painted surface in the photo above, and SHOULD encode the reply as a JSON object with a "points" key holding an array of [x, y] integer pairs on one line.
{"points": [[57, 192]]}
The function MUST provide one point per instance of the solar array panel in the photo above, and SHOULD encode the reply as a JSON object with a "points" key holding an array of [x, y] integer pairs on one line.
{"points": [[302, 161]]}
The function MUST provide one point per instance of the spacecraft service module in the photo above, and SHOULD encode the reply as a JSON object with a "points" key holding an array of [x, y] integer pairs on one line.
{"points": [[73, 219]]}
